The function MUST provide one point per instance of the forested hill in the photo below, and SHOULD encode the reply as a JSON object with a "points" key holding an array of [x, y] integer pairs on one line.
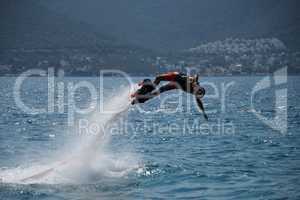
{"points": [[26, 24], [32, 35], [181, 24], [83, 37]]}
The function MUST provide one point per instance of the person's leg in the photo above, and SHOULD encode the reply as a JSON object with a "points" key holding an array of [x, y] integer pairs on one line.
{"points": [[171, 76], [168, 87], [165, 88]]}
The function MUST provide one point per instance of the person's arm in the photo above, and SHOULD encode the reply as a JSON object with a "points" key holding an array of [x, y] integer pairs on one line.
{"points": [[200, 105]]}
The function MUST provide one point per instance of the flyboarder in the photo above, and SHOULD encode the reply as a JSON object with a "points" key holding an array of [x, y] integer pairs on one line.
{"points": [[189, 84]]}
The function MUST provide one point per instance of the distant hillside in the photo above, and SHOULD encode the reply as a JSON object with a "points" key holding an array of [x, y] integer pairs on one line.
{"points": [[234, 56], [25, 24], [83, 37], [34, 36], [181, 24]]}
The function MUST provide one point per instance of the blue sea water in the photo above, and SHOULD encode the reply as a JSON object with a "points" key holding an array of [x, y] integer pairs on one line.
{"points": [[162, 150]]}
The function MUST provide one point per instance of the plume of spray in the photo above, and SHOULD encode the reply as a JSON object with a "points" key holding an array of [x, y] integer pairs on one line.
{"points": [[94, 160], [91, 161]]}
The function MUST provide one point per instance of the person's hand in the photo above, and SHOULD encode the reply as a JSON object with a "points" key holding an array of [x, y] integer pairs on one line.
{"points": [[205, 116]]}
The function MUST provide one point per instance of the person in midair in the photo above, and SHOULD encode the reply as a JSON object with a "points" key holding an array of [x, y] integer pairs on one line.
{"points": [[176, 80]]}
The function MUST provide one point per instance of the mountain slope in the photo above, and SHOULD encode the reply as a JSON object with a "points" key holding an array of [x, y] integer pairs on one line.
{"points": [[179, 24], [34, 36], [25, 24]]}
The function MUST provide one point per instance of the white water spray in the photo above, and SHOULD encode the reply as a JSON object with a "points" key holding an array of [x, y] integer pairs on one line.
{"points": [[91, 161]]}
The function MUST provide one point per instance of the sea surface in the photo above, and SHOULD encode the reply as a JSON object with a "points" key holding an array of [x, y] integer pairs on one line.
{"points": [[163, 149]]}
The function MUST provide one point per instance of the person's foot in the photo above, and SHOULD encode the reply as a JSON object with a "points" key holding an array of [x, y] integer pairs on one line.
{"points": [[144, 93]]}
